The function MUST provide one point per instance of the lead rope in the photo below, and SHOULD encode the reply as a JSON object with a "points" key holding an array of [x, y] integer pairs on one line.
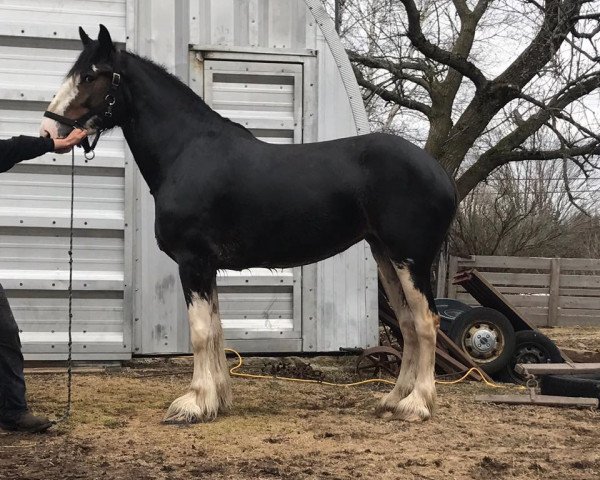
{"points": [[67, 413]]}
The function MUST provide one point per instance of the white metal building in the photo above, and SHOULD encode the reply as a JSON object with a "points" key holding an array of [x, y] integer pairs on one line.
{"points": [[275, 66]]}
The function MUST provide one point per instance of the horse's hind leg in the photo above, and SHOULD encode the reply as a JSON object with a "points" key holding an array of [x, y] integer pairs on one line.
{"points": [[408, 367], [419, 404], [210, 390]]}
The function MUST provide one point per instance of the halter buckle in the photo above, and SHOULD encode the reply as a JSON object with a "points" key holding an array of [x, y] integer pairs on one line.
{"points": [[116, 79]]}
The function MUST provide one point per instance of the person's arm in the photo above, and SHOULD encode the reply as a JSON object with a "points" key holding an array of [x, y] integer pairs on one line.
{"points": [[21, 148], [17, 149]]}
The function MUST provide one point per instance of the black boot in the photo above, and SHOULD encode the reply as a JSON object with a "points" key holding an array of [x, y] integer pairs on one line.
{"points": [[26, 422]]}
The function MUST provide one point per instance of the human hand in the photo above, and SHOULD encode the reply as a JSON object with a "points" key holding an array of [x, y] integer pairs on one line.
{"points": [[64, 145]]}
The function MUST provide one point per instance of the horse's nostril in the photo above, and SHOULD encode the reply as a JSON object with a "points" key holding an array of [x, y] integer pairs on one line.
{"points": [[46, 134]]}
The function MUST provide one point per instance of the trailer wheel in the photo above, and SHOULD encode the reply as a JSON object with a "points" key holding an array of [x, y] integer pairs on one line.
{"points": [[486, 336], [531, 347], [570, 386]]}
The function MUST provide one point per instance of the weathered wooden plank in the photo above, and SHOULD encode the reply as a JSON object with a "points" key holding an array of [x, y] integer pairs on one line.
{"points": [[579, 321], [579, 292], [542, 400], [536, 319], [580, 312], [557, 368], [452, 270], [579, 302], [510, 290], [543, 310], [514, 279], [535, 263], [553, 300], [478, 261], [532, 301], [442, 274], [539, 301], [585, 264], [581, 281], [505, 290], [529, 301]]}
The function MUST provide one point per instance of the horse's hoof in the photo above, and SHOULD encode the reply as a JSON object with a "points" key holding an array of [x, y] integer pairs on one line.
{"points": [[185, 410], [410, 409], [388, 404]]}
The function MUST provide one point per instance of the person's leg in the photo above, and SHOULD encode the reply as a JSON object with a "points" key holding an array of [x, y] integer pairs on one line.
{"points": [[14, 414], [12, 380]]}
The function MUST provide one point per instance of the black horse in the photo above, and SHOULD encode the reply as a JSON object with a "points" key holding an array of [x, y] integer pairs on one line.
{"points": [[225, 200]]}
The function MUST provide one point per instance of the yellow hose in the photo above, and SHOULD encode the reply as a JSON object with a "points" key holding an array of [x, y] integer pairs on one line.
{"points": [[233, 372]]}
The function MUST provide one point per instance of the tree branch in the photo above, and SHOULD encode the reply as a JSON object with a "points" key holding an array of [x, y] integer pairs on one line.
{"points": [[417, 38], [565, 175], [558, 21], [489, 162], [396, 69], [390, 96], [591, 148]]}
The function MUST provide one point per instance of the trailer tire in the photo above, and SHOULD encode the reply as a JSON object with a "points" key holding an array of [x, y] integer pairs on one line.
{"points": [[486, 336], [585, 385], [531, 346]]}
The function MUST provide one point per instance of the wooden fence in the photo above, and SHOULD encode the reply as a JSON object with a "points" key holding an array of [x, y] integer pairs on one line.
{"points": [[547, 291]]}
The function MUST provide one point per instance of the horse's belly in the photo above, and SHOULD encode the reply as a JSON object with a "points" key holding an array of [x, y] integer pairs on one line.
{"points": [[284, 250]]}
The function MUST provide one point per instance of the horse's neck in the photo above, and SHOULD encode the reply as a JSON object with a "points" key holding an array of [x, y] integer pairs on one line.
{"points": [[160, 111]]}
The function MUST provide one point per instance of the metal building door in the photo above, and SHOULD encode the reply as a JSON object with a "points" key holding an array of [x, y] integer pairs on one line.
{"points": [[259, 307]]}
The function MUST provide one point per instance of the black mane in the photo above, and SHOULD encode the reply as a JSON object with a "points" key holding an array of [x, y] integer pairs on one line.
{"points": [[163, 71]]}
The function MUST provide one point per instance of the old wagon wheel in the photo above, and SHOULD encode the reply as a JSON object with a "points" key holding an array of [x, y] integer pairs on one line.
{"points": [[375, 361]]}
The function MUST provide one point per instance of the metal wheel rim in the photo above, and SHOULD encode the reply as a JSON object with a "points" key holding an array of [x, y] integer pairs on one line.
{"points": [[377, 360], [527, 352], [474, 350]]}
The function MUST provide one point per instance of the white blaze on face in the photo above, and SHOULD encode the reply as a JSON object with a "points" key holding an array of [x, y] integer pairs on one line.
{"points": [[61, 101]]}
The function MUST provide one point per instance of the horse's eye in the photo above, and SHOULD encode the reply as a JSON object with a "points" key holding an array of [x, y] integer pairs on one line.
{"points": [[88, 79]]}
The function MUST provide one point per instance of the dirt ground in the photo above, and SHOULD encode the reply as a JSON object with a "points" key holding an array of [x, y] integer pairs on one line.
{"points": [[289, 430]]}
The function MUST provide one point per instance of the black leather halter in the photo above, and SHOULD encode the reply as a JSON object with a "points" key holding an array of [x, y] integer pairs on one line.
{"points": [[103, 110]]}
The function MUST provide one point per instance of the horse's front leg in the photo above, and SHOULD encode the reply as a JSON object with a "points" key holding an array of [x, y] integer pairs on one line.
{"points": [[210, 390]]}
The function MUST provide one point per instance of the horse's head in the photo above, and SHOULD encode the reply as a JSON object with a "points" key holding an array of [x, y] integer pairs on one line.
{"points": [[85, 95]]}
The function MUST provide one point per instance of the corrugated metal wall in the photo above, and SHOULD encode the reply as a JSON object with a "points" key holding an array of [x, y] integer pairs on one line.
{"points": [[346, 303], [120, 277], [267, 24], [38, 44]]}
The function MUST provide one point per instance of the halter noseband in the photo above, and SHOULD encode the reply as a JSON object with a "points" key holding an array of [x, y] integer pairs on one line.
{"points": [[104, 109]]}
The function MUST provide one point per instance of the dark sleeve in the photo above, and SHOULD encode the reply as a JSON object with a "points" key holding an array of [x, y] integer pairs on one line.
{"points": [[17, 149]]}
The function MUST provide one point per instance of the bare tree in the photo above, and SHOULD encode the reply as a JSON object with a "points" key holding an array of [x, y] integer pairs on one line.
{"points": [[490, 82], [523, 210]]}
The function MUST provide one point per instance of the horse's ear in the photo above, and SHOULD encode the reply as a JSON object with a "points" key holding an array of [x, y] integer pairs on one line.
{"points": [[106, 44], [85, 39]]}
